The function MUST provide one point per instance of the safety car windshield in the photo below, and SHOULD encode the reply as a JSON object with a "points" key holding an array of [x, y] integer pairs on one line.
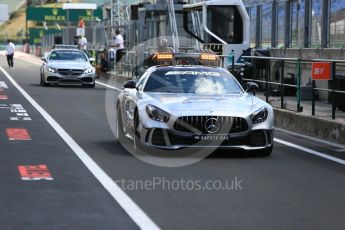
{"points": [[67, 56], [198, 81]]}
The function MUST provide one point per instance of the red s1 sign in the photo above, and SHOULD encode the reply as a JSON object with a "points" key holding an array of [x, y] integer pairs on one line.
{"points": [[321, 71]]}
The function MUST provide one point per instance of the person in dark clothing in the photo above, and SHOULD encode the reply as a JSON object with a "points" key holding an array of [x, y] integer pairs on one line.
{"points": [[103, 66]]}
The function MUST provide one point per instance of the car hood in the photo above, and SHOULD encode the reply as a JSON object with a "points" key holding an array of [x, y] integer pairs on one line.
{"points": [[191, 102], [69, 64]]}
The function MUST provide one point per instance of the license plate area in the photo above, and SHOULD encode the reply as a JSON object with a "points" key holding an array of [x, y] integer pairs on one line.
{"points": [[212, 137]]}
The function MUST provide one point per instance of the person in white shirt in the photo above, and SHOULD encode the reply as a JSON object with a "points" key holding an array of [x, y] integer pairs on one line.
{"points": [[10, 53], [119, 49], [83, 43]]}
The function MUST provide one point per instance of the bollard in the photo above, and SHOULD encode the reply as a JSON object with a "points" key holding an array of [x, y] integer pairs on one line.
{"points": [[299, 108], [333, 89], [282, 87], [313, 98], [266, 80]]}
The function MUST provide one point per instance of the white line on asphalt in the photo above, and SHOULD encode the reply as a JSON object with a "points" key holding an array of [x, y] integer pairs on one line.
{"points": [[108, 86], [340, 150], [323, 155], [130, 207], [317, 140], [32, 62]]}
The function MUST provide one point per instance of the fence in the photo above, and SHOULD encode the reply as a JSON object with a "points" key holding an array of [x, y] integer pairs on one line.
{"points": [[336, 95]]}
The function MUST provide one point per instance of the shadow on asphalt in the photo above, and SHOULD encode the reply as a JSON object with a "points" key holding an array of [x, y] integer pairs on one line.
{"points": [[69, 87], [221, 153], [112, 148], [119, 149]]}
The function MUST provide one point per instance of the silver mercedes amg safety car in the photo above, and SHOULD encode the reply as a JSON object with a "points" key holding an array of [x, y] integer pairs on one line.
{"points": [[174, 107]]}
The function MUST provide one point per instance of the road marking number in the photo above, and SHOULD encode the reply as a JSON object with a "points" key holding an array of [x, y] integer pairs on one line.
{"points": [[35, 172], [18, 134], [3, 85], [20, 112]]}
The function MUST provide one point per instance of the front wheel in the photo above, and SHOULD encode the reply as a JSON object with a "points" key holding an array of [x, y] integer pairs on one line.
{"points": [[138, 146], [42, 82], [119, 128], [89, 85]]}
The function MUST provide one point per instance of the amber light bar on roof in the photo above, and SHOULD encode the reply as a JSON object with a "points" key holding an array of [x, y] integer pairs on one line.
{"points": [[209, 57], [163, 56]]}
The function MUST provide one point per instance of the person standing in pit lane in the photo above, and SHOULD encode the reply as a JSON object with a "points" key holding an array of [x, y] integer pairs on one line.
{"points": [[119, 49], [10, 53], [83, 45]]}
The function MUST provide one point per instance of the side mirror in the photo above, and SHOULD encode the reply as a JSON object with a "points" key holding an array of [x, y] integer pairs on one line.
{"points": [[131, 84], [92, 59], [251, 87], [44, 59]]}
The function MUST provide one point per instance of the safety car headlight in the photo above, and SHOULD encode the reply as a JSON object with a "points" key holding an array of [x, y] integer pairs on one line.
{"points": [[90, 70], [259, 115], [157, 114], [51, 69]]}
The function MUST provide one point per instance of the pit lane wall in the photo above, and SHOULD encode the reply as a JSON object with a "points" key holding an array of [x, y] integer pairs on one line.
{"points": [[329, 130]]}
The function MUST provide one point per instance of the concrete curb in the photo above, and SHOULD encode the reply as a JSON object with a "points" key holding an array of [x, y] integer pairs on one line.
{"points": [[329, 130]]}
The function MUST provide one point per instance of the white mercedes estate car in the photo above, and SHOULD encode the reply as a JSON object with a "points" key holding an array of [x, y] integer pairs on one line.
{"points": [[67, 65]]}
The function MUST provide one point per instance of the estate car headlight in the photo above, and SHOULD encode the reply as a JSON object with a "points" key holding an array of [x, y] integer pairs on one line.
{"points": [[90, 70], [157, 114], [51, 69], [259, 115]]}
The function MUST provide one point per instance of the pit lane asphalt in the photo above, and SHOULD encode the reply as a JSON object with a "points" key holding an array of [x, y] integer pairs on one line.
{"points": [[74, 199], [289, 190]]}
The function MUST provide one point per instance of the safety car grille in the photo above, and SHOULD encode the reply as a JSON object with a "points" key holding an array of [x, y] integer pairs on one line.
{"points": [[195, 124], [70, 72], [257, 138]]}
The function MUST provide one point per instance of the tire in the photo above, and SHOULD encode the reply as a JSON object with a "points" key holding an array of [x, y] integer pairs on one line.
{"points": [[119, 135], [265, 152], [89, 85], [136, 135], [42, 82]]}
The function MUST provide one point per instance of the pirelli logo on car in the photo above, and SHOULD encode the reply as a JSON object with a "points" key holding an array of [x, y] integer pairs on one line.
{"points": [[206, 73]]}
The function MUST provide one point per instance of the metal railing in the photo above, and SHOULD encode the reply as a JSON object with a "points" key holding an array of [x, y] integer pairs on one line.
{"points": [[333, 92]]}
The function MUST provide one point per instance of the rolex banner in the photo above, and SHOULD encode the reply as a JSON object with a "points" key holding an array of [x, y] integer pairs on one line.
{"points": [[42, 14], [36, 34]]}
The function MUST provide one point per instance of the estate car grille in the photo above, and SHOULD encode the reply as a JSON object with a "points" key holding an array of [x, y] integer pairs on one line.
{"points": [[70, 72], [222, 124]]}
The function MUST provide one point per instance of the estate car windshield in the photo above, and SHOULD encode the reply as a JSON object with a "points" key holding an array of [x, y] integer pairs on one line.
{"points": [[198, 81], [67, 56]]}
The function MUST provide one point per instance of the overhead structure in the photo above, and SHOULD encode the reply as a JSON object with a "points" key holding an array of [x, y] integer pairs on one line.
{"points": [[173, 26], [79, 6], [219, 25]]}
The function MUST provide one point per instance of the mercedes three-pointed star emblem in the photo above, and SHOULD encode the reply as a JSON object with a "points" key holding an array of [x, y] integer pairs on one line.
{"points": [[212, 125]]}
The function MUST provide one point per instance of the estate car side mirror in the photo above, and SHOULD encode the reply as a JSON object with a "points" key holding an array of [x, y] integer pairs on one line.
{"points": [[44, 59], [130, 84], [251, 87], [92, 59]]}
